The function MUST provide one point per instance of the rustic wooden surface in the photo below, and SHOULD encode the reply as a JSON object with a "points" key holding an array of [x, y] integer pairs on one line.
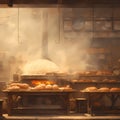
{"points": [[64, 117]]}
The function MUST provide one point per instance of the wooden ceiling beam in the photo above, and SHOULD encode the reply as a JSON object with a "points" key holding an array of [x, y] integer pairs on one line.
{"points": [[60, 2], [57, 1]]}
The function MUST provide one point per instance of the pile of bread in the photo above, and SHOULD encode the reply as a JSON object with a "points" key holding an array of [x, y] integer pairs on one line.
{"points": [[18, 86], [102, 89], [26, 87]]}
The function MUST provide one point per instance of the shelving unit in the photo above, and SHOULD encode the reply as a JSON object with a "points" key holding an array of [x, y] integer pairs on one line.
{"points": [[84, 81]]}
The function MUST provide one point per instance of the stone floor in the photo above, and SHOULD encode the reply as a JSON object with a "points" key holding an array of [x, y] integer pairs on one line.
{"points": [[63, 117]]}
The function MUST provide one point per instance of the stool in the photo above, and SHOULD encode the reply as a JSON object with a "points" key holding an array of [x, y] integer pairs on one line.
{"points": [[81, 105]]}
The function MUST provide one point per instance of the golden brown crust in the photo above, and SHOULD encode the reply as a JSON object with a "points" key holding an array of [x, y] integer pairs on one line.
{"points": [[115, 90], [104, 89], [90, 89]]}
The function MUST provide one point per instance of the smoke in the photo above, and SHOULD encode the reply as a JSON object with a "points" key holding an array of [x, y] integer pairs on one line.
{"points": [[21, 37], [69, 50], [72, 54]]}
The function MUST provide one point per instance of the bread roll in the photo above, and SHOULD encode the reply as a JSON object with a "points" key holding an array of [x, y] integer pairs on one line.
{"points": [[91, 89], [55, 87], [115, 90], [81, 80], [67, 87], [104, 89], [13, 88], [14, 84], [20, 85], [39, 87], [75, 80], [48, 87], [112, 81], [23, 85]]}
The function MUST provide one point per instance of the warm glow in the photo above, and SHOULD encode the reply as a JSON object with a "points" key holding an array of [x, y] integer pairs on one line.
{"points": [[38, 82]]}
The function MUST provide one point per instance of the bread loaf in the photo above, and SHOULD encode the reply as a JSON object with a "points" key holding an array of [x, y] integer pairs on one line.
{"points": [[115, 90], [104, 89], [91, 89]]}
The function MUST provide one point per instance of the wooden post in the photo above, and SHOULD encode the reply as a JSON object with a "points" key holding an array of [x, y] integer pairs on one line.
{"points": [[1, 101]]}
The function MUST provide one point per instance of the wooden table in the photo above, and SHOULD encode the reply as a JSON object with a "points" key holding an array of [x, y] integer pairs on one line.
{"points": [[112, 96], [38, 102]]}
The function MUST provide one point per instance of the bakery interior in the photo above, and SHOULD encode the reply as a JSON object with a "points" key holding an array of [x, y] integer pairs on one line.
{"points": [[59, 59]]}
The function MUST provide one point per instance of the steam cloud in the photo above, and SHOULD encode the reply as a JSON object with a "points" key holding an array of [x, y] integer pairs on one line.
{"points": [[21, 36]]}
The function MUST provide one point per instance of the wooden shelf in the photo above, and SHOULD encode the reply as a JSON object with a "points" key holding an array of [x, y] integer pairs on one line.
{"points": [[97, 82]]}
